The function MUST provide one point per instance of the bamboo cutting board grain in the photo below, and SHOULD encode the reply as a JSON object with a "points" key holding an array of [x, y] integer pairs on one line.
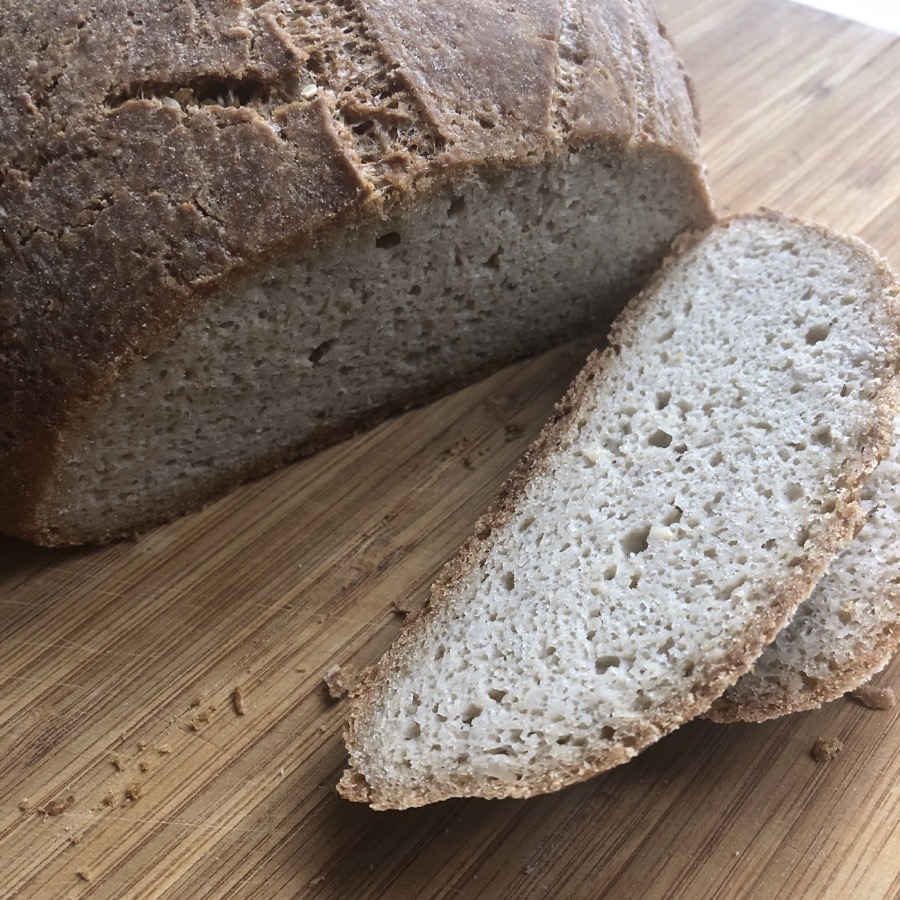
{"points": [[164, 728]]}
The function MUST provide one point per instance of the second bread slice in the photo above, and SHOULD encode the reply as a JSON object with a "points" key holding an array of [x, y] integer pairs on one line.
{"points": [[845, 631], [691, 490]]}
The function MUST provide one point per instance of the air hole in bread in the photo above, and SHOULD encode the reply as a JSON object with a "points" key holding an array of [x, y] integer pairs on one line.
{"points": [[496, 694], [673, 516], [660, 438], [315, 357], [794, 492], [471, 712], [817, 334], [412, 731], [607, 733], [388, 240], [604, 663], [662, 399], [456, 208], [509, 581], [635, 541]]}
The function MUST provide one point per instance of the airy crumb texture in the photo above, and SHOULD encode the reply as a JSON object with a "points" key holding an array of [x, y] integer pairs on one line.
{"points": [[340, 681], [693, 487], [826, 749], [875, 698], [848, 628]]}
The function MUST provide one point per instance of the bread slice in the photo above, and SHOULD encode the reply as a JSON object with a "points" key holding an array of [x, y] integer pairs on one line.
{"points": [[848, 628], [231, 238], [691, 490]]}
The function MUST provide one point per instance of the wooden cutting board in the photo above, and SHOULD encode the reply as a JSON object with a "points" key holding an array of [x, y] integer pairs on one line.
{"points": [[127, 770]]}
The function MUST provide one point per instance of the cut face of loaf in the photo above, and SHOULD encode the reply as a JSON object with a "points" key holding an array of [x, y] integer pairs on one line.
{"points": [[848, 628], [692, 489], [228, 239], [376, 319]]}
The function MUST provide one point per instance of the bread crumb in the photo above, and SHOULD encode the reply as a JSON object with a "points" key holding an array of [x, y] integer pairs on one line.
{"points": [[74, 839], [402, 608], [85, 874], [109, 800], [144, 766], [308, 91], [313, 882], [57, 807], [142, 745], [134, 790], [201, 719], [25, 805], [874, 698], [118, 763], [196, 702], [237, 698], [826, 749], [340, 680], [164, 749]]}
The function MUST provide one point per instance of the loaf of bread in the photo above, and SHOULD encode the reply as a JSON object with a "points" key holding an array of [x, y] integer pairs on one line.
{"points": [[690, 492], [232, 233], [848, 628]]}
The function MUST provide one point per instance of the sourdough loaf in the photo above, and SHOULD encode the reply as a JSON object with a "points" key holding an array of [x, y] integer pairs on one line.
{"points": [[236, 232], [848, 628], [696, 481]]}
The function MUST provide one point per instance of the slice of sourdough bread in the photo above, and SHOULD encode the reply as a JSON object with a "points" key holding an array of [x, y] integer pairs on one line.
{"points": [[848, 628], [688, 494]]}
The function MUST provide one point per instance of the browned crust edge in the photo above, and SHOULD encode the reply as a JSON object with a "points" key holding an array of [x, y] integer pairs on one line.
{"points": [[837, 529]]}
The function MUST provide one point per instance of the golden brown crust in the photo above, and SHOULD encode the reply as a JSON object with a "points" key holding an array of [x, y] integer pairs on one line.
{"points": [[151, 156], [836, 530]]}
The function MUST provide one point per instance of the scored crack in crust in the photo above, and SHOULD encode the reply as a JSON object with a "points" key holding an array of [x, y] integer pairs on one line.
{"points": [[154, 154]]}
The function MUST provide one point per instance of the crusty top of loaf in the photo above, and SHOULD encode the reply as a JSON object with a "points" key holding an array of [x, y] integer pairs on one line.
{"points": [[152, 151]]}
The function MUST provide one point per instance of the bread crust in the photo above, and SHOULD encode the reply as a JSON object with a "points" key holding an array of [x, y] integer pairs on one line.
{"points": [[153, 157], [835, 532]]}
